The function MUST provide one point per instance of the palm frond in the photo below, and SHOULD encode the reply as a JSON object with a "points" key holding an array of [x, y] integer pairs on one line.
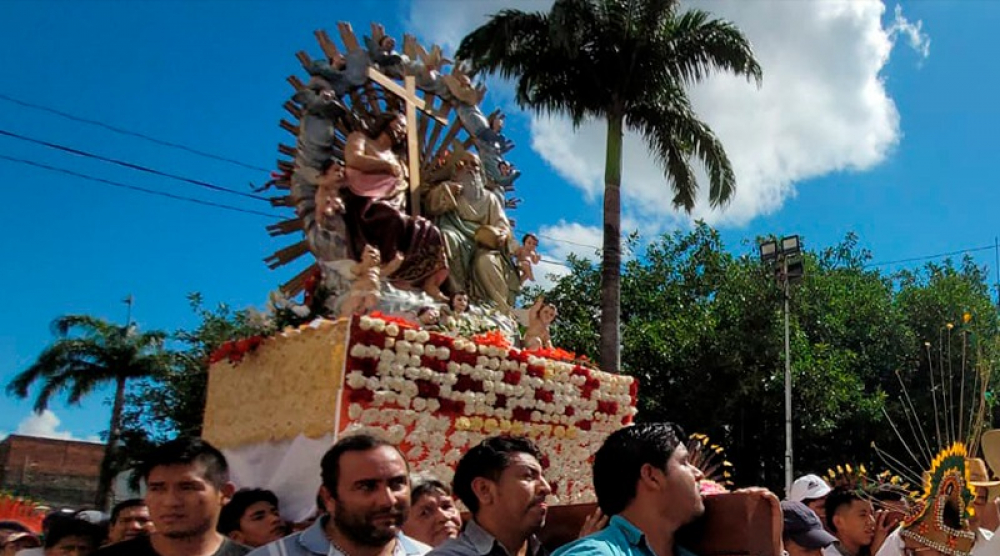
{"points": [[692, 46], [675, 136]]}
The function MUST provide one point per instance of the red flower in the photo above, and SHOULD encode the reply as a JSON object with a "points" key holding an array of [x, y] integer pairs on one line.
{"points": [[536, 371], [554, 486], [626, 420], [580, 371], [501, 401], [521, 414], [492, 338], [544, 395], [363, 395], [434, 364], [452, 407], [611, 408], [583, 425], [401, 322], [427, 389], [569, 411], [512, 377], [466, 383], [545, 462], [633, 389]]}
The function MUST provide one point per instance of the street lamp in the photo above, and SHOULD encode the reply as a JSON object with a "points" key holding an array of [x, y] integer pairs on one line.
{"points": [[785, 259]]}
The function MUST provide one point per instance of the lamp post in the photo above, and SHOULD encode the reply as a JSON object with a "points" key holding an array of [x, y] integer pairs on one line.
{"points": [[785, 259]]}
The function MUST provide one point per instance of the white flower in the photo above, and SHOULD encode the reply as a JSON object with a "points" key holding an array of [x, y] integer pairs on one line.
{"points": [[423, 336], [403, 401], [419, 404], [372, 383], [378, 325], [356, 380], [397, 433], [433, 405], [369, 416], [410, 334], [415, 452], [390, 343], [430, 351], [392, 329], [358, 351], [453, 367], [403, 347], [443, 353], [418, 349], [365, 323], [354, 411], [536, 416]]}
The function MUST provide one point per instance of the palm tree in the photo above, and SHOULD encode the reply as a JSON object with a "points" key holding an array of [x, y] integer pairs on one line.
{"points": [[627, 61], [88, 353]]}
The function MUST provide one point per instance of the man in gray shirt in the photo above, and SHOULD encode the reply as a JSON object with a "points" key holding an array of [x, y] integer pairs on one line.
{"points": [[502, 483]]}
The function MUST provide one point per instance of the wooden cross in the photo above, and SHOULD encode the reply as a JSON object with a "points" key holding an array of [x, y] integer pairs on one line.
{"points": [[408, 93]]}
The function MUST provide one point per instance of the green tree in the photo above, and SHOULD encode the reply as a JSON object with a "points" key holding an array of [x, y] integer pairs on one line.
{"points": [[627, 62], [89, 353], [172, 402]]}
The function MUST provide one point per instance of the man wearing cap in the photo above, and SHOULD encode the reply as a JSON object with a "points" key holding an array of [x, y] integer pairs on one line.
{"points": [[986, 517], [811, 490], [803, 534]]}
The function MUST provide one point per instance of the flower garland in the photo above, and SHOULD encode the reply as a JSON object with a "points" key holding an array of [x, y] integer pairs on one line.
{"points": [[235, 350], [435, 396]]}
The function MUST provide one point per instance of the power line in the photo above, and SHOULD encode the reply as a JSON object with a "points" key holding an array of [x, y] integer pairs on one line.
{"points": [[134, 187], [130, 133], [929, 257], [131, 165]]}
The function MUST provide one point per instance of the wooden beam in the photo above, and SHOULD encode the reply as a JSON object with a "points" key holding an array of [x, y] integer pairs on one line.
{"points": [[285, 227], [412, 142], [304, 59], [347, 36], [284, 256], [328, 46], [296, 82], [292, 287], [286, 150], [295, 111], [289, 127]]}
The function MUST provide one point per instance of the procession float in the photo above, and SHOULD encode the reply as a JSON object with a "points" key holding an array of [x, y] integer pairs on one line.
{"points": [[403, 319]]}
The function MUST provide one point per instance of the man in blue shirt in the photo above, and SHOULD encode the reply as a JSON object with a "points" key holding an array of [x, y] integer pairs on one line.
{"points": [[366, 491], [501, 482], [644, 481]]}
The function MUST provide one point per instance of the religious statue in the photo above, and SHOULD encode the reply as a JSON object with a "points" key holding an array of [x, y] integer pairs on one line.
{"points": [[477, 234], [374, 207], [365, 278], [526, 256], [541, 315]]}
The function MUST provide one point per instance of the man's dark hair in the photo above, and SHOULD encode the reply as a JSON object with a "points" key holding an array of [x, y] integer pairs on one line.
{"points": [[63, 528], [380, 124], [232, 512], [618, 462], [838, 498], [124, 505], [188, 450], [330, 464], [526, 236], [423, 487], [488, 459]]}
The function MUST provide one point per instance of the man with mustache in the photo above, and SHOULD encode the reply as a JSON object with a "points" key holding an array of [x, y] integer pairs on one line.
{"points": [[644, 481], [366, 492], [129, 519], [502, 483], [251, 518]]}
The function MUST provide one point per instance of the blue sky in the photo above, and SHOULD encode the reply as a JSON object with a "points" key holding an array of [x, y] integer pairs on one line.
{"points": [[870, 120]]}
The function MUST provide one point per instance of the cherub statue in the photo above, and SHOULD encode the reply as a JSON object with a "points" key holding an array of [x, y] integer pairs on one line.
{"points": [[526, 256], [493, 133], [365, 289], [429, 317], [540, 316], [328, 201]]}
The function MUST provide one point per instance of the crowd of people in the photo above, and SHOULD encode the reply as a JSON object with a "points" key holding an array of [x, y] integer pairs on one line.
{"points": [[370, 505]]}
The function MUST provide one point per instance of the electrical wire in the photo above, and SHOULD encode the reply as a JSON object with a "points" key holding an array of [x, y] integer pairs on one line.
{"points": [[929, 257], [134, 187], [129, 133], [130, 165]]}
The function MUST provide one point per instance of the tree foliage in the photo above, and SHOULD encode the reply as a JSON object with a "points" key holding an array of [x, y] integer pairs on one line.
{"points": [[703, 330]]}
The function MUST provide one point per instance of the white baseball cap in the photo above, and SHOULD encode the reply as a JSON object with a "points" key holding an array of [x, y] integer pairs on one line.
{"points": [[808, 487]]}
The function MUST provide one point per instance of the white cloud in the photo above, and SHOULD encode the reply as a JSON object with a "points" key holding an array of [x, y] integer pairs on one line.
{"points": [[46, 425], [823, 106]]}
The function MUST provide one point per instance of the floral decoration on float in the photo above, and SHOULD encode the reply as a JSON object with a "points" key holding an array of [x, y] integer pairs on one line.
{"points": [[435, 396]]}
